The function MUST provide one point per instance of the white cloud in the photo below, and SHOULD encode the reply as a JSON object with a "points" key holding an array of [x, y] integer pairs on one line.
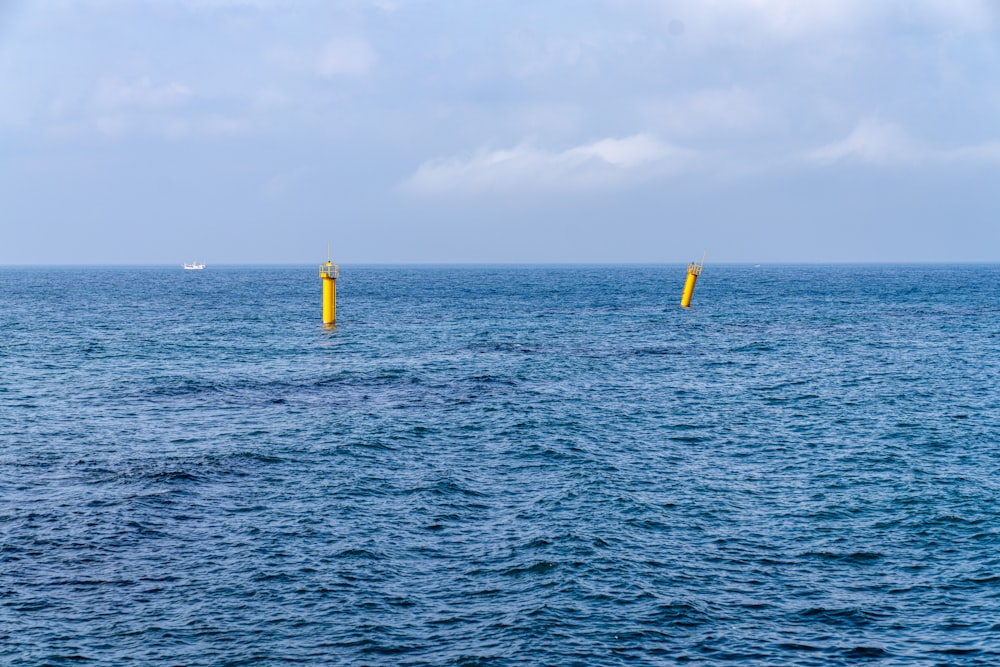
{"points": [[793, 18], [143, 108], [349, 56], [878, 142], [114, 94], [601, 165], [873, 141], [742, 20], [738, 21]]}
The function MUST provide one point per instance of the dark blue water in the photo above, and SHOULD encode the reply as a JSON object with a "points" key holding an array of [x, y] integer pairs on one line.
{"points": [[500, 466]]}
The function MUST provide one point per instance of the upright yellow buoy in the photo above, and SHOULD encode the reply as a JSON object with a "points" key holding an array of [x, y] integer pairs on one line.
{"points": [[694, 270], [329, 272]]}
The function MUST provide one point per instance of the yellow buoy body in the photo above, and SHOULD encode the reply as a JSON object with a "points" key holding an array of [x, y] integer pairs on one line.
{"points": [[329, 272], [694, 270]]}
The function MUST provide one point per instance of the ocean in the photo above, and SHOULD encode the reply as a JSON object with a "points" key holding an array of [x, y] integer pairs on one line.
{"points": [[492, 465]]}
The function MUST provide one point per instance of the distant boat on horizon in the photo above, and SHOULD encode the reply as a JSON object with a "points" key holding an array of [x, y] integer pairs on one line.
{"points": [[194, 266]]}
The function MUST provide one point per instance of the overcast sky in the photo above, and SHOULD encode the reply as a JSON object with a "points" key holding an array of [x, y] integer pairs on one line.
{"points": [[458, 131]]}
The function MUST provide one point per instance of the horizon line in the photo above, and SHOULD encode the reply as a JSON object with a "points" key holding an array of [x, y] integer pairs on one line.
{"points": [[513, 263]]}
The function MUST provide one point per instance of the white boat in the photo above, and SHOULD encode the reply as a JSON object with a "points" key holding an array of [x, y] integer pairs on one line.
{"points": [[194, 266]]}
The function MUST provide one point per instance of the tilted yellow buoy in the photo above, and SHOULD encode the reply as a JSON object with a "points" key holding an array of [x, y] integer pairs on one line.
{"points": [[329, 272], [694, 270]]}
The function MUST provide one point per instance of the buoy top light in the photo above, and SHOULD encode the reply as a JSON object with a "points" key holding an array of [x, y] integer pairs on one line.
{"points": [[329, 270]]}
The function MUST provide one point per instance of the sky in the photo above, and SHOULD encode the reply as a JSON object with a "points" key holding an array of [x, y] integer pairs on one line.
{"points": [[490, 131]]}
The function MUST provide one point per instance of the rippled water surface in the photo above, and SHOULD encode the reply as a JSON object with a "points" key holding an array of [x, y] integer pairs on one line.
{"points": [[500, 466]]}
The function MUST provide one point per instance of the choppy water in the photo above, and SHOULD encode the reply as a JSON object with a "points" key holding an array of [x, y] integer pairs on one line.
{"points": [[500, 466]]}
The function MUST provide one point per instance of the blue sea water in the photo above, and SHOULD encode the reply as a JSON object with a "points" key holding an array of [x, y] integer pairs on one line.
{"points": [[500, 466]]}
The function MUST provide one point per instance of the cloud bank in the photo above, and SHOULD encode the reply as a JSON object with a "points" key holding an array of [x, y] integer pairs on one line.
{"points": [[606, 164], [751, 20], [873, 141], [882, 143], [114, 94]]}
